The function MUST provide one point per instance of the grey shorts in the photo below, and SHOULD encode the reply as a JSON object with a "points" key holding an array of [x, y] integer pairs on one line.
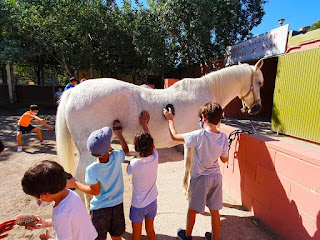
{"points": [[206, 191]]}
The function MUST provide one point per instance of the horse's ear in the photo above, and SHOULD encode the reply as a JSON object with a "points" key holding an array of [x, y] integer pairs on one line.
{"points": [[258, 65]]}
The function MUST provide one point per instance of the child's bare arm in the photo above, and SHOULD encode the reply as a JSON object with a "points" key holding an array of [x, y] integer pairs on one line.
{"points": [[173, 133], [89, 189], [144, 119], [42, 121], [123, 142], [43, 223]]}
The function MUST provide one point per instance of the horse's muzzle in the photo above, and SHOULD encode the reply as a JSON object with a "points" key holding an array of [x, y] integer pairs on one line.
{"points": [[255, 109]]}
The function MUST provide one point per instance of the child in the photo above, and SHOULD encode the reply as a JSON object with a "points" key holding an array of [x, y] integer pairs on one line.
{"points": [[46, 181], [72, 83], [206, 179], [24, 125], [58, 94], [105, 182], [144, 176]]}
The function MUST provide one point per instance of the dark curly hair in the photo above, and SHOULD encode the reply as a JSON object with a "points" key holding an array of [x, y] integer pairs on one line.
{"points": [[44, 177], [143, 144], [211, 111], [34, 107]]}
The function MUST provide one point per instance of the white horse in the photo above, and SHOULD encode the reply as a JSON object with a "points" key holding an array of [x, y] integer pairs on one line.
{"points": [[97, 103]]}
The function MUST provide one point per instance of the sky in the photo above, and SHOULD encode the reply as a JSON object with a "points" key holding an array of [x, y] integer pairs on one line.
{"points": [[297, 13]]}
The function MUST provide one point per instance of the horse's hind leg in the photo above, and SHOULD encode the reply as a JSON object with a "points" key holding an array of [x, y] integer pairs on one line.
{"points": [[188, 162], [84, 161]]}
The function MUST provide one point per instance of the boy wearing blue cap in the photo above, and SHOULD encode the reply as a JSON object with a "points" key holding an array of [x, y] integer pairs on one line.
{"points": [[105, 180]]}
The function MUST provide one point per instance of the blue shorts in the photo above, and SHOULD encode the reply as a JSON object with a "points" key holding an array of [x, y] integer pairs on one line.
{"points": [[25, 129], [149, 212]]}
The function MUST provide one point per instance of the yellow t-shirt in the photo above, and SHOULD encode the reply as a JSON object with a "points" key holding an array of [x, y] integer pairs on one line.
{"points": [[25, 119]]}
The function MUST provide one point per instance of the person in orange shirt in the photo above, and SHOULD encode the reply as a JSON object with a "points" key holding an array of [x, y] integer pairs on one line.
{"points": [[24, 125]]}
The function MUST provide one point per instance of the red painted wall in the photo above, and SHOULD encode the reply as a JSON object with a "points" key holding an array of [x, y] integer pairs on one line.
{"points": [[278, 181], [315, 43], [169, 82]]}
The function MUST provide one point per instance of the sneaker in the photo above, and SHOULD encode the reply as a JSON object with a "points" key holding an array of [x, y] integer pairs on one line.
{"points": [[182, 235], [207, 235], [44, 141], [19, 149]]}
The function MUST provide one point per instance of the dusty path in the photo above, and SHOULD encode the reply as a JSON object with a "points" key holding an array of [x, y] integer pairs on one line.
{"points": [[172, 205]]}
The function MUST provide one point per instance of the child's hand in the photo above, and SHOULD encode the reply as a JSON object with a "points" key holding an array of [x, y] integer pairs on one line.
{"points": [[168, 114], [49, 127], [42, 224], [71, 183], [46, 235], [144, 118], [117, 128]]}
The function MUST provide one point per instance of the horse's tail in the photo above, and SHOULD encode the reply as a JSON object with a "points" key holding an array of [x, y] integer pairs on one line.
{"points": [[65, 144]]}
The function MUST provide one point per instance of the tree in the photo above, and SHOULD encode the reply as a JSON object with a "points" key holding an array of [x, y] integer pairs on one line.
{"points": [[58, 32], [100, 35], [200, 30], [315, 26]]}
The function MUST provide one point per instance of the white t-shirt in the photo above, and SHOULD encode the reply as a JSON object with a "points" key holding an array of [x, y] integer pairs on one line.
{"points": [[71, 221], [209, 146], [144, 177]]}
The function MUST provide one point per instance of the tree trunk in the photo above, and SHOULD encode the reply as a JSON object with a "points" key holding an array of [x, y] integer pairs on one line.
{"points": [[11, 83], [37, 71]]}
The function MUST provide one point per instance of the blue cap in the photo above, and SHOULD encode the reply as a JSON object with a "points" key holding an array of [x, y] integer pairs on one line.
{"points": [[99, 141]]}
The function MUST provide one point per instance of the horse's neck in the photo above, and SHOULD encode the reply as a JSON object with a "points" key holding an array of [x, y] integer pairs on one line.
{"points": [[222, 86]]}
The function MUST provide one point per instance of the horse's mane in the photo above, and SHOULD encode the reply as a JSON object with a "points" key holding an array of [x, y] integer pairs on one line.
{"points": [[216, 82]]}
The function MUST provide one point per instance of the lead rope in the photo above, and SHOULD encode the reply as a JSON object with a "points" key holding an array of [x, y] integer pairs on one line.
{"points": [[233, 135]]}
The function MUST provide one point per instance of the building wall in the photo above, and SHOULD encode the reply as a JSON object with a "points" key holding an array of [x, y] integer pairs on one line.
{"points": [[278, 181], [302, 42], [296, 109], [35, 94]]}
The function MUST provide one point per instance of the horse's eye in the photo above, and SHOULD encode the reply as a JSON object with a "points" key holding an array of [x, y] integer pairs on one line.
{"points": [[260, 84]]}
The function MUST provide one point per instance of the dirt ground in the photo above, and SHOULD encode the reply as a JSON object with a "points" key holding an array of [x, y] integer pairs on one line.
{"points": [[236, 223]]}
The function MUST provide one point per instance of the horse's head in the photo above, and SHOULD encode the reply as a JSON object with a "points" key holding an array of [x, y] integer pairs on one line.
{"points": [[251, 101]]}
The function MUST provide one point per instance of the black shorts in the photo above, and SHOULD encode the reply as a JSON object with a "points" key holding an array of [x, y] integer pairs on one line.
{"points": [[25, 129], [110, 219]]}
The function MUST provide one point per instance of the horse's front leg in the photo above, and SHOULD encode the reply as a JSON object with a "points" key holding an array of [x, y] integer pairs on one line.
{"points": [[188, 163]]}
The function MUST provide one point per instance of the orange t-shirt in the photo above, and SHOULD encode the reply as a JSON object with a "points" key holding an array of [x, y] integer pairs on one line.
{"points": [[25, 119]]}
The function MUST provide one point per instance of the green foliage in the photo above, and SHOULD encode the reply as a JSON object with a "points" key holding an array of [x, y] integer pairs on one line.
{"points": [[315, 26], [199, 30], [100, 35]]}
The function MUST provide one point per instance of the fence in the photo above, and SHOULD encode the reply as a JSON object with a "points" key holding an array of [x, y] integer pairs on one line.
{"points": [[30, 94]]}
